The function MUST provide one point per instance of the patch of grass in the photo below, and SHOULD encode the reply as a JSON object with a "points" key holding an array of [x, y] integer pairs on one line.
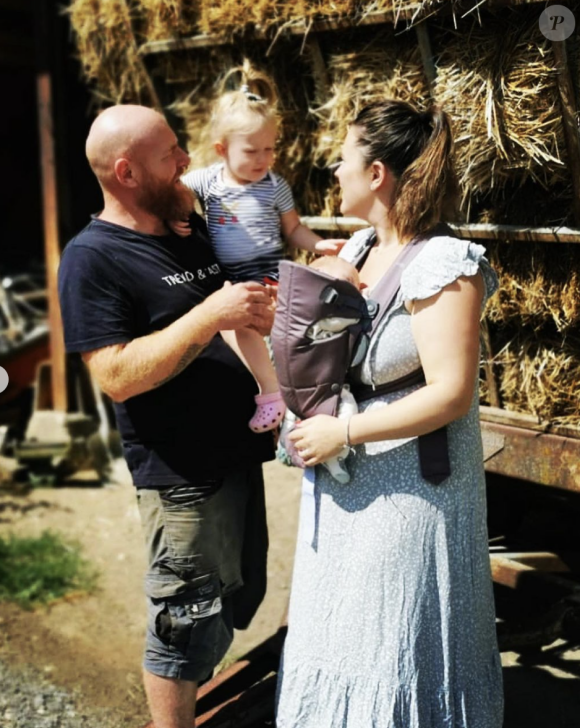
{"points": [[43, 569]]}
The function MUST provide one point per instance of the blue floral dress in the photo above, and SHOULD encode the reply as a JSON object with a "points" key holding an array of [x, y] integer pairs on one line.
{"points": [[391, 621]]}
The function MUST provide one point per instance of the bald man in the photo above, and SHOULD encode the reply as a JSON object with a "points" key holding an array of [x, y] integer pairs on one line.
{"points": [[144, 308]]}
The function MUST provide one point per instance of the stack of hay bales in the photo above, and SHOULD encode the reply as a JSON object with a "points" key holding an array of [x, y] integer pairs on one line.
{"points": [[108, 51], [496, 75]]}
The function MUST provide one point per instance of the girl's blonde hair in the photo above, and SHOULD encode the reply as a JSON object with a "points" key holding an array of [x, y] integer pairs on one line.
{"points": [[248, 106]]}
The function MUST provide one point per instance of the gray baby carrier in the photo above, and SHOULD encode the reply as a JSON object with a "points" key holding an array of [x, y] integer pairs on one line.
{"points": [[311, 373]]}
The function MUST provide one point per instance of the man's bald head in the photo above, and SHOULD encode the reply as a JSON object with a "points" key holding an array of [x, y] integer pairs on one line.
{"points": [[120, 131]]}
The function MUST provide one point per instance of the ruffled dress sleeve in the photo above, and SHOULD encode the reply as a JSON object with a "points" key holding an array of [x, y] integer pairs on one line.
{"points": [[443, 260], [355, 244]]}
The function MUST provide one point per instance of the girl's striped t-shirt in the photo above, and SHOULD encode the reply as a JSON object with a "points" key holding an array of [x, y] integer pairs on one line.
{"points": [[244, 221]]}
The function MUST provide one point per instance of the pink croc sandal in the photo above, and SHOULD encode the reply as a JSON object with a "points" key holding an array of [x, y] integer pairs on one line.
{"points": [[269, 412]]}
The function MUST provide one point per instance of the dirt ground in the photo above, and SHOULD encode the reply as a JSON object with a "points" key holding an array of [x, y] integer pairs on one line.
{"points": [[93, 644]]}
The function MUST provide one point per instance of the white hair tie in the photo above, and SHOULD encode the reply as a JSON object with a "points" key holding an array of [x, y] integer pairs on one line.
{"points": [[251, 97]]}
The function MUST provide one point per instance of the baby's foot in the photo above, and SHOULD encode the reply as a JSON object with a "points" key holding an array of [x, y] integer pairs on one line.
{"points": [[269, 412]]}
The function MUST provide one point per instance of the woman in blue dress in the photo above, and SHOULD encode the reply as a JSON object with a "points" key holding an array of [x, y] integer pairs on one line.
{"points": [[391, 621]]}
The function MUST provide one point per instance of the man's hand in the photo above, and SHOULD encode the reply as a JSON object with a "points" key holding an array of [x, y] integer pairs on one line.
{"points": [[329, 247], [241, 305], [266, 328]]}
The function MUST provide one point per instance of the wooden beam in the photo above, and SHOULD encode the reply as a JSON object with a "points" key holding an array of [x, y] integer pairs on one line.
{"points": [[488, 231], [475, 231], [536, 457], [203, 40], [528, 421], [408, 15], [516, 419]]}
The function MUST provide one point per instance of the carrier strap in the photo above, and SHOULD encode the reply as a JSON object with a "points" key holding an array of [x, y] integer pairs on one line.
{"points": [[433, 447]]}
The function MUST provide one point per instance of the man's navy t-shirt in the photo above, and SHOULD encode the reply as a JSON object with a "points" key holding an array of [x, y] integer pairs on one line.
{"points": [[116, 285]]}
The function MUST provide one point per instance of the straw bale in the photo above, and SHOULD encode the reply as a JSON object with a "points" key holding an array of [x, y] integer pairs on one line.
{"points": [[107, 50], [361, 71], [539, 286], [540, 375], [230, 17], [526, 203], [169, 18], [195, 78], [504, 105], [416, 8]]}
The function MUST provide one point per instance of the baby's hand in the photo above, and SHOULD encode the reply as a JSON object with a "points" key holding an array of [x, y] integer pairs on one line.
{"points": [[329, 247], [180, 227]]}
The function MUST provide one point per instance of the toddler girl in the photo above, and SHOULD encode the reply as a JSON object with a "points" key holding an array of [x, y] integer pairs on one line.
{"points": [[248, 210]]}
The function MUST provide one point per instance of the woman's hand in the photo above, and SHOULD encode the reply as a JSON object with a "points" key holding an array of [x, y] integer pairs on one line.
{"points": [[318, 438]]}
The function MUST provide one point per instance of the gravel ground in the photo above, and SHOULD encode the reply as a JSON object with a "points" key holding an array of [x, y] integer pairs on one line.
{"points": [[28, 700]]}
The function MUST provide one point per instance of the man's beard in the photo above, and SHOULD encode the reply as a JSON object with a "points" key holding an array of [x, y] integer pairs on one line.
{"points": [[167, 201]]}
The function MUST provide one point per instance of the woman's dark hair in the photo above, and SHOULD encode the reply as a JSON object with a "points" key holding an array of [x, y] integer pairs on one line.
{"points": [[417, 147]]}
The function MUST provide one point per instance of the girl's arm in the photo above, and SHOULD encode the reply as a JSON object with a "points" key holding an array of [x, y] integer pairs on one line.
{"points": [[446, 331], [298, 235]]}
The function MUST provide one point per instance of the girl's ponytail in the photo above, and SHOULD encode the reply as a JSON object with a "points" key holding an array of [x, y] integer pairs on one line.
{"points": [[246, 96]]}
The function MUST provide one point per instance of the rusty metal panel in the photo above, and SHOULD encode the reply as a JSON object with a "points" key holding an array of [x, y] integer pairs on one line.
{"points": [[537, 457]]}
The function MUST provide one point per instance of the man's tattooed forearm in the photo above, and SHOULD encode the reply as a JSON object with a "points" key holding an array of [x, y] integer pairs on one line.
{"points": [[191, 353]]}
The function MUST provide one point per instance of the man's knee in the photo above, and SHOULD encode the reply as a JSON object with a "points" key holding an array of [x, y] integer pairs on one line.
{"points": [[188, 633]]}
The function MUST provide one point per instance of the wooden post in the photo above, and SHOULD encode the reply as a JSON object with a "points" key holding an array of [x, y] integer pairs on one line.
{"points": [[318, 66], [426, 56], [44, 22], [569, 121], [51, 241], [487, 350]]}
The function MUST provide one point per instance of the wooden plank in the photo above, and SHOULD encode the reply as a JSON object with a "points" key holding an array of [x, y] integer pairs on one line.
{"points": [[516, 419], [536, 457], [540, 560], [474, 231], [204, 40], [528, 421], [408, 15], [507, 572]]}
